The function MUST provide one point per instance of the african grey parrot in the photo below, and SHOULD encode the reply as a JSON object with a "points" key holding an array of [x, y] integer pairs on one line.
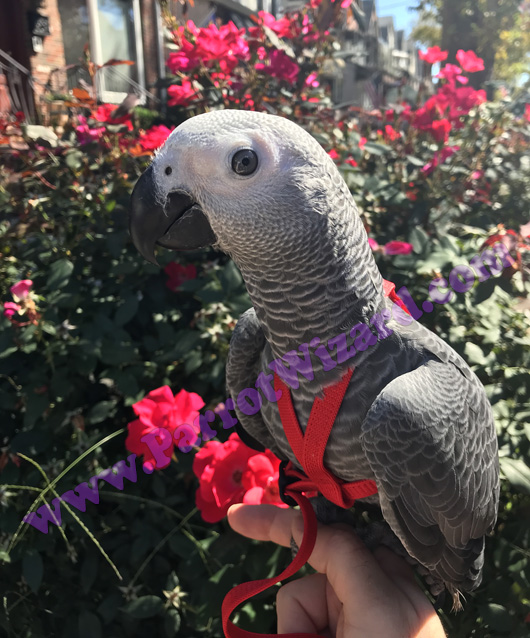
{"points": [[415, 419]]}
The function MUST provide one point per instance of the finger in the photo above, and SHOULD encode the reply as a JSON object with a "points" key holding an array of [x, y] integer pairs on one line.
{"points": [[349, 565], [263, 522], [351, 568], [395, 567], [301, 605]]}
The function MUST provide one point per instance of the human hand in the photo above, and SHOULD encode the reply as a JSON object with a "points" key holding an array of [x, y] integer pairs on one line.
{"points": [[355, 594]]}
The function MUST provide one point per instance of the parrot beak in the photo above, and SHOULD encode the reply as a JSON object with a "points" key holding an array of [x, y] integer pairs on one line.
{"points": [[180, 224]]}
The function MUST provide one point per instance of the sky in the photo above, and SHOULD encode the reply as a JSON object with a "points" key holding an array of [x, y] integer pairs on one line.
{"points": [[403, 19]]}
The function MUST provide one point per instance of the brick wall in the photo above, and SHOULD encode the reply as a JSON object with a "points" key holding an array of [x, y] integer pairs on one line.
{"points": [[52, 54]]}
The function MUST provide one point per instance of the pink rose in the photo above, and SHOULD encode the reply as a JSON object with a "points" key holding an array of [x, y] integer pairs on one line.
{"points": [[167, 419], [398, 248], [21, 289], [10, 308]]}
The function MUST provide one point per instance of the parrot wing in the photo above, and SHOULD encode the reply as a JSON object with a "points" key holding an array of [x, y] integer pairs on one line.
{"points": [[430, 440], [243, 366]]}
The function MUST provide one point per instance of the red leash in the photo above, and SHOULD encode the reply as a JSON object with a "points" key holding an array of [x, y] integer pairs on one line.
{"points": [[245, 591], [308, 448]]}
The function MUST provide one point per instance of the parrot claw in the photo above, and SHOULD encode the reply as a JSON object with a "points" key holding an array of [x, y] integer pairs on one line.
{"points": [[294, 548]]}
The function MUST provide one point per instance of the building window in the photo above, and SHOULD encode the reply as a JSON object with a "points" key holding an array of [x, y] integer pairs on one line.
{"points": [[76, 35], [113, 30]]}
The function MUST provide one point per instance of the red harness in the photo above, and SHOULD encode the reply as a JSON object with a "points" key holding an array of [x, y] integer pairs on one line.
{"points": [[308, 449]]}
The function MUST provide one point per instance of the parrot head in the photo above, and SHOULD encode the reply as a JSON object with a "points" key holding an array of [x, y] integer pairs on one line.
{"points": [[262, 190], [247, 183]]}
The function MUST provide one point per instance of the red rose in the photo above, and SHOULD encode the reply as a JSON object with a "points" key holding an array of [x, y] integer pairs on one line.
{"points": [[164, 420], [469, 61], [391, 134], [181, 95], [398, 248], [154, 137], [232, 473], [178, 274], [104, 114], [280, 66], [451, 72], [433, 55], [507, 237], [261, 480], [440, 130]]}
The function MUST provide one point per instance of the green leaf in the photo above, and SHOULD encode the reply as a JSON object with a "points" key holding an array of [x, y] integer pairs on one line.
{"points": [[376, 149], [474, 354], [101, 411], [231, 278], [497, 618], [193, 361], [144, 607], [221, 573], [33, 570], [437, 260], [419, 239], [127, 310], [516, 472], [60, 272], [89, 571], [74, 159], [35, 404], [449, 243], [117, 353], [415, 161], [89, 625], [211, 293], [172, 623], [4, 556]]}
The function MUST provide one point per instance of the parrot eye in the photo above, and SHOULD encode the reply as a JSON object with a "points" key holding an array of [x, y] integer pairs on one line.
{"points": [[168, 170], [244, 162]]}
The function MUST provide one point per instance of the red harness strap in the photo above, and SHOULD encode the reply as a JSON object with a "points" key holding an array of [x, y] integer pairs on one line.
{"points": [[390, 291], [308, 449]]}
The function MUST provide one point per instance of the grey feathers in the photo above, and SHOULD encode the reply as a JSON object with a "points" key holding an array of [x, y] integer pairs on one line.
{"points": [[415, 418]]}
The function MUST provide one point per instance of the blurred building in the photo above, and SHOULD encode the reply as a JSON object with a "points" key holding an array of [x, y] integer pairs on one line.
{"points": [[44, 44], [376, 64]]}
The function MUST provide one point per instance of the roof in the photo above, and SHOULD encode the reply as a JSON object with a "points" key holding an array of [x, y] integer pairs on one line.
{"points": [[386, 21]]}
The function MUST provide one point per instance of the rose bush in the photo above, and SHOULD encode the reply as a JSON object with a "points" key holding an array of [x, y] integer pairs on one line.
{"points": [[113, 341]]}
